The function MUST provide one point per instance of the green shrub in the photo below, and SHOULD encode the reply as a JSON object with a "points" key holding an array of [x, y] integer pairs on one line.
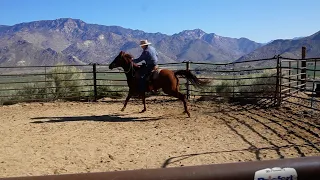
{"points": [[32, 91], [65, 81], [105, 89], [28, 92], [224, 89], [244, 89], [258, 87]]}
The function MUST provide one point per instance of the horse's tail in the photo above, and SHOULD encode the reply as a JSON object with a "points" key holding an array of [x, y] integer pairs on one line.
{"points": [[191, 77]]}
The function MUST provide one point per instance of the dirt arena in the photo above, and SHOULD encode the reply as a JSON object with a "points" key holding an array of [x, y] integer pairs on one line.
{"points": [[76, 137]]}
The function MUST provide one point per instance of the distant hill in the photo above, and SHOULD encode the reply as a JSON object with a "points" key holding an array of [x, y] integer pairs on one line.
{"points": [[23, 53], [74, 41], [287, 48]]}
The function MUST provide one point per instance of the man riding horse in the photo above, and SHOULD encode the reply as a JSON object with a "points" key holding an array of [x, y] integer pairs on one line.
{"points": [[150, 56], [167, 80]]}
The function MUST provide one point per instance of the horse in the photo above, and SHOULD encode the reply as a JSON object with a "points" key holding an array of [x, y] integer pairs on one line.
{"points": [[166, 79]]}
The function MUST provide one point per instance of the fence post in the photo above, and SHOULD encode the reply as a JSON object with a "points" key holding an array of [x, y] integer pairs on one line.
{"points": [[94, 71], [290, 77], [303, 69], [314, 93], [234, 79], [45, 83], [278, 89], [188, 83]]}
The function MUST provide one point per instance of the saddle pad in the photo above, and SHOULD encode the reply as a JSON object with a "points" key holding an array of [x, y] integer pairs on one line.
{"points": [[155, 73]]}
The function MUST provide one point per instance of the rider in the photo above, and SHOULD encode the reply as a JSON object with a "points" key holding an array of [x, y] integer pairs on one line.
{"points": [[150, 56]]}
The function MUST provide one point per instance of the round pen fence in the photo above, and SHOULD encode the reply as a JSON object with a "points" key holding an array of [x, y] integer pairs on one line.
{"points": [[300, 82], [94, 81], [238, 81], [273, 81], [276, 81]]}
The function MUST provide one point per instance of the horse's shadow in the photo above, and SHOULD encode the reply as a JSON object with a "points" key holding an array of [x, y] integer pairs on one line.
{"points": [[103, 118]]}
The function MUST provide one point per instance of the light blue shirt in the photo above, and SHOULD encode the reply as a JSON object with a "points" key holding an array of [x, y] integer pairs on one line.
{"points": [[149, 55]]}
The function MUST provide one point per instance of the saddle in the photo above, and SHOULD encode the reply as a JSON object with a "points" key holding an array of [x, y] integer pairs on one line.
{"points": [[154, 73]]}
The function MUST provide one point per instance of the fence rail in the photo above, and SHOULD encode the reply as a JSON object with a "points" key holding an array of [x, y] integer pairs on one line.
{"points": [[287, 77], [307, 168], [301, 83], [95, 78]]}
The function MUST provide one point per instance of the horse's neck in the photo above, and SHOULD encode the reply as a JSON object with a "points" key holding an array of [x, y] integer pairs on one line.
{"points": [[129, 75], [130, 72]]}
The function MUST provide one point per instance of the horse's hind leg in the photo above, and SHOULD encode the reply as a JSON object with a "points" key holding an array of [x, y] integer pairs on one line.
{"points": [[181, 97]]}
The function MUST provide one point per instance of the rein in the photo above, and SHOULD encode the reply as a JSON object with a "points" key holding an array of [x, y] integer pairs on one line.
{"points": [[130, 67]]}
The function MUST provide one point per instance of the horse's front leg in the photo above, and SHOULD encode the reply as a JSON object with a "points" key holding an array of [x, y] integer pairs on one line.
{"points": [[126, 101], [143, 96]]}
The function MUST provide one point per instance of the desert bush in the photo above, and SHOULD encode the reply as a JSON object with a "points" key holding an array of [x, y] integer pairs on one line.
{"points": [[29, 92], [220, 88], [32, 91], [105, 89], [65, 81], [263, 85], [224, 89], [245, 88]]}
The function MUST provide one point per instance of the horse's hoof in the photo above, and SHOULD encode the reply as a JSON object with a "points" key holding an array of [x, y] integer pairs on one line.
{"points": [[186, 112], [123, 109], [143, 111]]}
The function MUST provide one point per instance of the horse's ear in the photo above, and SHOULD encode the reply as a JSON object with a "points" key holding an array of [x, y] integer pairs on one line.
{"points": [[121, 52]]}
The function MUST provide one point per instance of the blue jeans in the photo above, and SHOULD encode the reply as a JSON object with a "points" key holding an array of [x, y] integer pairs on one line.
{"points": [[144, 73]]}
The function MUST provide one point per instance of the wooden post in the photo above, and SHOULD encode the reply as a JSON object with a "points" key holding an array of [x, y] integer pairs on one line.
{"points": [[188, 83], [303, 69], [94, 70]]}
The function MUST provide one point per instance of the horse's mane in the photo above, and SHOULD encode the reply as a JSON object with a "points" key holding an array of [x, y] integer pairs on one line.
{"points": [[129, 56]]}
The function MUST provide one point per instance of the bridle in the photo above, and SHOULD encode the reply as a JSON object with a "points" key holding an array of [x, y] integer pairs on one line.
{"points": [[130, 67]]}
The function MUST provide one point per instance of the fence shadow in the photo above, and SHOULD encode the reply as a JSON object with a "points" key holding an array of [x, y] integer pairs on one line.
{"points": [[248, 112], [183, 157], [103, 118], [172, 160], [289, 130]]}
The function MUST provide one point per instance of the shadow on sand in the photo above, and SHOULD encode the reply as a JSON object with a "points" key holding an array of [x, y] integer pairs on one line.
{"points": [[103, 118]]}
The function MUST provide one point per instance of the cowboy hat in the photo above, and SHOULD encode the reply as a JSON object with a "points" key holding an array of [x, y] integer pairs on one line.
{"points": [[144, 42]]}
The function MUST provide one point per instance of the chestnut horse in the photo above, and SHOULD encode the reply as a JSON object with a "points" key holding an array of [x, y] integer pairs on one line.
{"points": [[166, 80]]}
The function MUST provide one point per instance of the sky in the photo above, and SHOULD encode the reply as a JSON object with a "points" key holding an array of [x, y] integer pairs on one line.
{"points": [[257, 20]]}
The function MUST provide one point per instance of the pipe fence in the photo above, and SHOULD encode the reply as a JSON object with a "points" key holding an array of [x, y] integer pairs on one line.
{"points": [[276, 80], [305, 168], [300, 82], [94, 81]]}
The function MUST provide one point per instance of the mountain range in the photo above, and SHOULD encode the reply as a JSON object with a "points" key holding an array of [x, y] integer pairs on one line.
{"points": [[288, 48], [74, 41]]}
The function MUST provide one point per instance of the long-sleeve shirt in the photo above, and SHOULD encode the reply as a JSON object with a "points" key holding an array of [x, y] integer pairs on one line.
{"points": [[149, 55]]}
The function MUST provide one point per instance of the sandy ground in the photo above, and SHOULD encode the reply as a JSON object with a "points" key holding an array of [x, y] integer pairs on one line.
{"points": [[76, 137]]}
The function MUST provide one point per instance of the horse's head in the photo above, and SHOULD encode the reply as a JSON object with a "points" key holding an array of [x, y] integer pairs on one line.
{"points": [[121, 60]]}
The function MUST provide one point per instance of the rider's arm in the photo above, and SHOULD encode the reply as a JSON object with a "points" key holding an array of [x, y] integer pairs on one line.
{"points": [[142, 57]]}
